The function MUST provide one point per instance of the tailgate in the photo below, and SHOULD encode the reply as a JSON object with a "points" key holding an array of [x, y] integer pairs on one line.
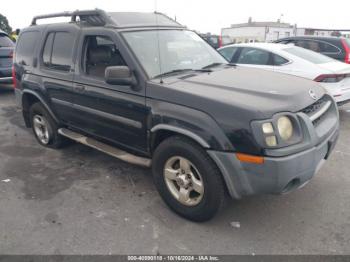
{"points": [[6, 54]]}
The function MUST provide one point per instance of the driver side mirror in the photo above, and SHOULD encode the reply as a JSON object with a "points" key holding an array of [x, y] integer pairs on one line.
{"points": [[120, 75]]}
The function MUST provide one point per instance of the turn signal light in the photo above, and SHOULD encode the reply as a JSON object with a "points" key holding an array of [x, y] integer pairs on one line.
{"points": [[250, 159]]}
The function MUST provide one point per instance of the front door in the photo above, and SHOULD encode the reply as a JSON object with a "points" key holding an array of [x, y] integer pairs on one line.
{"points": [[113, 112]]}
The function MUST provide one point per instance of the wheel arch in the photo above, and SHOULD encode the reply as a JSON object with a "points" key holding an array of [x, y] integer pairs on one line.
{"points": [[161, 132], [30, 97], [167, 118]]}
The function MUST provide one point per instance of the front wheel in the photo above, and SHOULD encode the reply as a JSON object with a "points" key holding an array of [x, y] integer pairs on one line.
{"points": [[187, 179]]}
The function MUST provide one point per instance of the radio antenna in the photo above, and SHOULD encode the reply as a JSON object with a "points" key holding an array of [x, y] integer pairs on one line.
{"points": [[158, 42]]}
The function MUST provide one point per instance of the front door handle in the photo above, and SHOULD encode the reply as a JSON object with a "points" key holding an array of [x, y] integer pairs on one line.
{"points": [[79, 87]]}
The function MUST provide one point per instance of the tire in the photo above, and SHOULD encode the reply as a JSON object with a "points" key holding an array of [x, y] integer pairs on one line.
{"points": [[198, 207], [38, 113]]}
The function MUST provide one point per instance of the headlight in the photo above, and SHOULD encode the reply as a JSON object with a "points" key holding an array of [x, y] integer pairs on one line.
{"points": [[285, 128], [282, 130]]}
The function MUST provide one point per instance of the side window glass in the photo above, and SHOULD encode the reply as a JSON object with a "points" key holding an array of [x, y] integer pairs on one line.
{"points": [[58, 50], [279, 60], [254, 56], [48, 49], [303, 44], [283, 42], [26, 47], [228, 52], [99, 53], [328, 48], [317, 46], [314, 46], [62, 49]]}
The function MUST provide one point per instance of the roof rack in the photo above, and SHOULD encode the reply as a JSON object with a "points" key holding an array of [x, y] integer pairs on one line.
{"points": [[95, 17]]}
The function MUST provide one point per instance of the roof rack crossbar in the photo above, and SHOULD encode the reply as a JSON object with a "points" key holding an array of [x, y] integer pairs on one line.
{"points": [[90, 16], [63, 14]]}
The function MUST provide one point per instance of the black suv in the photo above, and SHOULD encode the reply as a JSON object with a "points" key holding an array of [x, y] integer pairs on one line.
{"points": [[6, 54], [334, 47], [146, 90]]}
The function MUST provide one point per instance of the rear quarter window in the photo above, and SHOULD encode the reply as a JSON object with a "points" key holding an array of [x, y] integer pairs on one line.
{"points": [[26, 47], [279, 60], [328, 48], [5, 41], [318, 46]]}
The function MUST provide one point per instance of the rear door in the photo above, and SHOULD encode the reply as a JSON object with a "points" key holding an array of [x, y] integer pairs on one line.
{"points": [[6, 54], [57, 64]]}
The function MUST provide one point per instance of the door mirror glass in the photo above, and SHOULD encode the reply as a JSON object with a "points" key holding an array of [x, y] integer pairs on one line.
{"points": [[119, 75]]}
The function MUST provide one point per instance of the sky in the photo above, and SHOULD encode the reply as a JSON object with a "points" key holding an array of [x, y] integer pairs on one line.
{"points": [[201, 15]]}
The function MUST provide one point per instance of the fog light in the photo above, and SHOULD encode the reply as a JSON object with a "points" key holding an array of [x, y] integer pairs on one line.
{"points": [[271, 141]]}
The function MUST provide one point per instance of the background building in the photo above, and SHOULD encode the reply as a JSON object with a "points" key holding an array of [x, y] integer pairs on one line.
{"points": [[258, 31], [270, 31], [317, 32]]}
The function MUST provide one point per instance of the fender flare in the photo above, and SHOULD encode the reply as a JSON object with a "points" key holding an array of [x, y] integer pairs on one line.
{"points": [[26, 91], [182, 131]]}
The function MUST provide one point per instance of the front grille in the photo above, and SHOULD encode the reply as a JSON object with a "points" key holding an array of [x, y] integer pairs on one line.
{"points": [[318, 110], [315, 106]]}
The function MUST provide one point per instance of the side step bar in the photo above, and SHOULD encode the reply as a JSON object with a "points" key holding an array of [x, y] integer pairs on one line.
{"points": [[112, 151]]}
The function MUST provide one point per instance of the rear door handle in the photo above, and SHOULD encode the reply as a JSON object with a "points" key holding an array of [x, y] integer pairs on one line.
{"points": [[79, 87]]}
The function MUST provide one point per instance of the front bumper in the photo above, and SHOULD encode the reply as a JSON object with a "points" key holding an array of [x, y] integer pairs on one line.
{"points": [[277, 175]]}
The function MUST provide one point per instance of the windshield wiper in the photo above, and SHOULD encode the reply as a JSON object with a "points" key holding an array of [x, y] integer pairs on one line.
{"points": [[173, 72], [177, 71], [212, 65]]}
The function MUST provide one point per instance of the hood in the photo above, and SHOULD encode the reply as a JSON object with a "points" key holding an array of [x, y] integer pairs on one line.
{"points": [[260, 92]]}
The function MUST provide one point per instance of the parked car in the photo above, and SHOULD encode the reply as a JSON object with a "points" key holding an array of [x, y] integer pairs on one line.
{"points": [[334, 47], [330, 73], [216, 41], [6, 56], [143, 88]]}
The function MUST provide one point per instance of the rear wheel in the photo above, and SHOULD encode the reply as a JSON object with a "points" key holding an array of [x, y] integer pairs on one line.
{"points": [[44, 127], [187, 179]]}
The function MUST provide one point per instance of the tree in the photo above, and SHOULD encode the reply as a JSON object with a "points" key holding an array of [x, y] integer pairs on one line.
{"points": [[4, 24]]}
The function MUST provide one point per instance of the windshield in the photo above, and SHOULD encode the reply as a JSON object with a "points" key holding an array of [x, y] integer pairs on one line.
{"points": [[178, 49], [5, 41], [308, 55]]}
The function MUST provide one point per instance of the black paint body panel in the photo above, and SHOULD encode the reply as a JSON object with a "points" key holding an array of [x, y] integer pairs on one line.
{"points": [[216, 107]]}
